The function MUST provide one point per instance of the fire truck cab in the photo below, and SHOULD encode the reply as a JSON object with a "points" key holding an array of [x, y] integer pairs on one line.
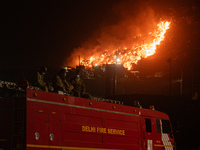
{"points": [[37, 120]]}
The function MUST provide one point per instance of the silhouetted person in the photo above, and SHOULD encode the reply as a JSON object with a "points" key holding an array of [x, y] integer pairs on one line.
{"points": [[60, 83], [39, 81], [79, 86]]}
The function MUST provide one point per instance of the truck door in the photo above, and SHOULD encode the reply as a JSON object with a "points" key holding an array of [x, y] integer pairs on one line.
{"points": [[54, 130], [41, 126], [147, 138], [47, 131], [163, 136], [156, 134]]}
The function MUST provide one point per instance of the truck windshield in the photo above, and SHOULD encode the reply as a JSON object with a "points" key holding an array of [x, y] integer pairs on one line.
{"points": [[166, 126]]}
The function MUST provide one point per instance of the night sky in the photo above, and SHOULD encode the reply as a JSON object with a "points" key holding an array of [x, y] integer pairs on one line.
{"points": [[38, 33], [44, 33]]}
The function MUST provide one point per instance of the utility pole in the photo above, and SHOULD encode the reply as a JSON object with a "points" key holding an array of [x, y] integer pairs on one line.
{"points": [[79, 59], [181, 82], [170, 75]]}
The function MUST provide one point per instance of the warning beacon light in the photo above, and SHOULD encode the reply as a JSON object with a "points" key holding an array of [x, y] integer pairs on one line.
{"points": [[152, 107]]}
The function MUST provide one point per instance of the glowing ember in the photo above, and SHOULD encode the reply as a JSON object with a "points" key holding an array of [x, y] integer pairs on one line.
{"points": [[129, 55]]}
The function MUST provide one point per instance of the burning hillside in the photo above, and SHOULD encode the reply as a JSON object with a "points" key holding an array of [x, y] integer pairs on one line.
{"points": [[125, 42], [129, 55]]}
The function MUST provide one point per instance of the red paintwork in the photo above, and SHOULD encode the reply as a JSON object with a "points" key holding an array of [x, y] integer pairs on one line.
{"points": [[77, 122]]}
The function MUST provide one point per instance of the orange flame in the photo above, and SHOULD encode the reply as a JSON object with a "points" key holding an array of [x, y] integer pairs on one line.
{"points": [[129, 56]]}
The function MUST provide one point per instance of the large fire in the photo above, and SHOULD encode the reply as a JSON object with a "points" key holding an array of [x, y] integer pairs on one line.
{"points": [[129, 55]]}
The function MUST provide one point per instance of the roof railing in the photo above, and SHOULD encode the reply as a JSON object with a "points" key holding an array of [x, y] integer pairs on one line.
{"points": [[14, 86]]}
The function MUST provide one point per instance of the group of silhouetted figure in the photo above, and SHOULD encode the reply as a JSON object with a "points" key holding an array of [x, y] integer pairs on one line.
{"points": [[74, 87]]}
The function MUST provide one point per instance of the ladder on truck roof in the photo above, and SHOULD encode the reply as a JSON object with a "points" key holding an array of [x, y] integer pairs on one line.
{"points": [[107, 100], [14, 86], [10, 89]]}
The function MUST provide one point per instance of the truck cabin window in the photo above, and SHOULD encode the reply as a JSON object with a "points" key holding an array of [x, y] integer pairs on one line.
{"points": [[166, 126], [158, 129], [148, 125]]}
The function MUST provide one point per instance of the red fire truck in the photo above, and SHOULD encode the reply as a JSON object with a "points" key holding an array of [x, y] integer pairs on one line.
{"points": [[37, 120]]}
